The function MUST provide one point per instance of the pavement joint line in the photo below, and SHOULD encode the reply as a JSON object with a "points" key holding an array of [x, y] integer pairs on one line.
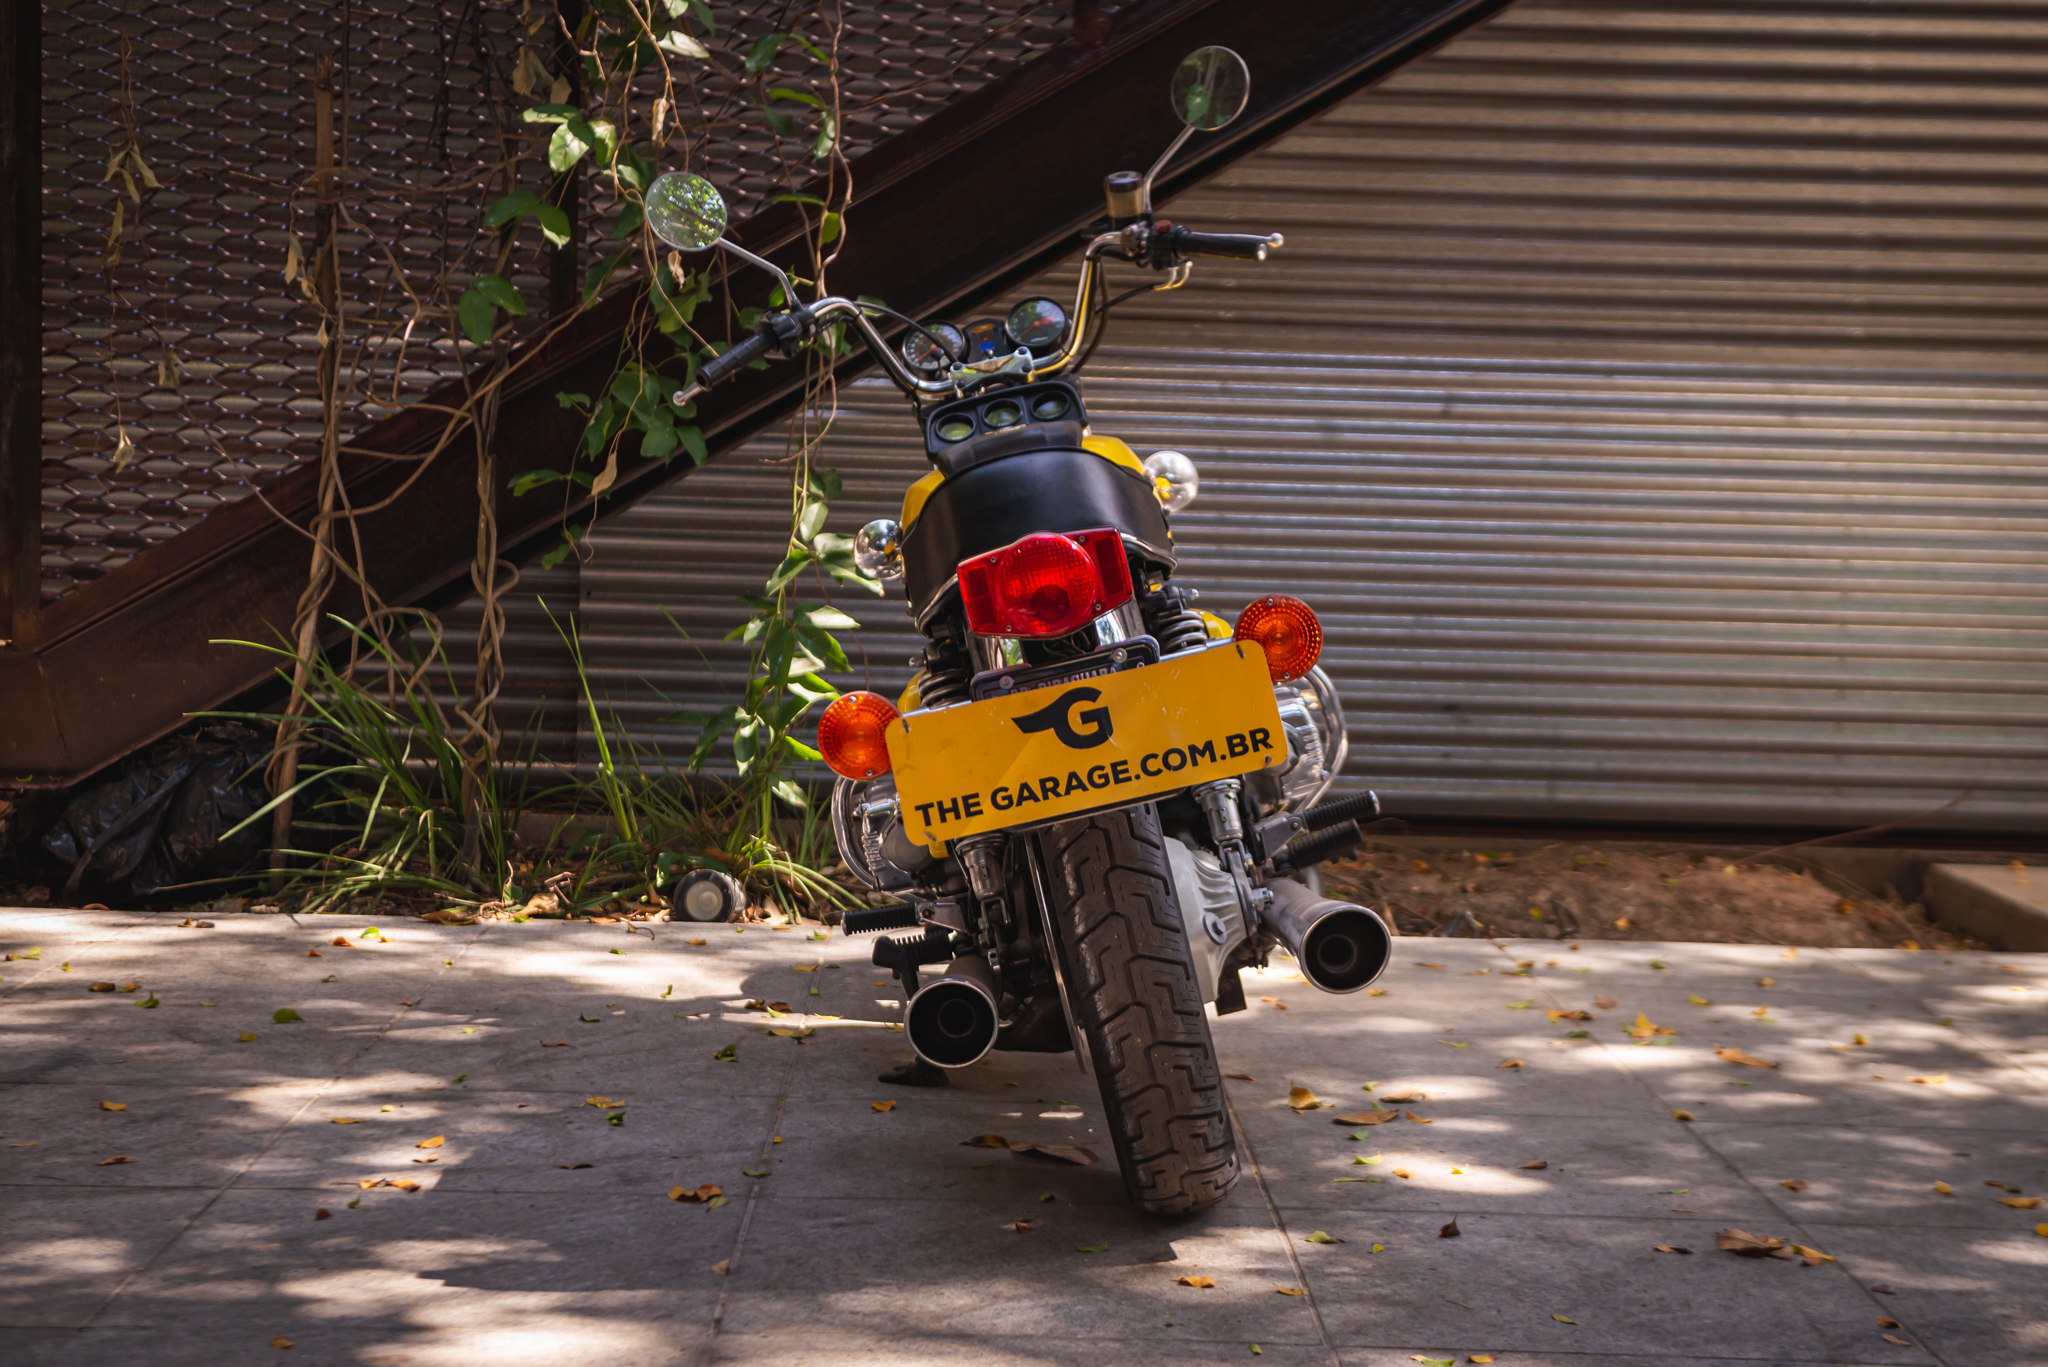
{"points": [[739, 1242], [347, 1067], [45, 967], [1699, 1140], [1280, 1226], [1989, 1050]]}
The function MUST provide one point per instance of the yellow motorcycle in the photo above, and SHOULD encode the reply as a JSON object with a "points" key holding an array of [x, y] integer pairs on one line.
{"points": [[1095, 801]]}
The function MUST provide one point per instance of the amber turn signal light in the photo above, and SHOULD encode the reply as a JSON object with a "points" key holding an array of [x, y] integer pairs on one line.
{"points": [[853, 734], [1287, 629]]}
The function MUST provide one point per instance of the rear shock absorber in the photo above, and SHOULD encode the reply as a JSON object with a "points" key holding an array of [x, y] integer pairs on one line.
{"points": [[947, 673], [1175, 623]]}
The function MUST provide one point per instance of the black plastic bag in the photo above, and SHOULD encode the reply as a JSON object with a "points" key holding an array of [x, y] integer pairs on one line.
{"points": [[161, 821]]}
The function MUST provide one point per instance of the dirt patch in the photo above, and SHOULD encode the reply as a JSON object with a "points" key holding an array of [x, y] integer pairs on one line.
{"points": [[1605, 892]]}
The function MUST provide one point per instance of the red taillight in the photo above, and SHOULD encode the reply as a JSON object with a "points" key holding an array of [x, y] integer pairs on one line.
{"points": [[1045, 584], [1287, 629], [853, 734]]}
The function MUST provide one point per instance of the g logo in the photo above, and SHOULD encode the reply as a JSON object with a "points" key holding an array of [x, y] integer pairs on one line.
{"points": [[1055, 717]]}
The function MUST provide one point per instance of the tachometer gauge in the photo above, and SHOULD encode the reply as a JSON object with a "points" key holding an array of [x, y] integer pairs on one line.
{"points": [[1039, 324], [923, 355]]}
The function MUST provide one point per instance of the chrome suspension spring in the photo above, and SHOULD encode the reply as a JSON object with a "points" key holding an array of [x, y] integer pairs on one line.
{"points": [[1176, 625], [947, 674]]}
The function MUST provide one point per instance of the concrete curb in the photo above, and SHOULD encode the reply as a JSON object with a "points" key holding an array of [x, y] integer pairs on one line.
{"points": [[2003, 906]]}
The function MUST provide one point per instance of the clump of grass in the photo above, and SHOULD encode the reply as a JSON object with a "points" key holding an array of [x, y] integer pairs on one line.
{"points": [[382, 785]]}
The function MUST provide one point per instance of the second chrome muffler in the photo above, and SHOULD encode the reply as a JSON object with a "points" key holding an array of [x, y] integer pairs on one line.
{"points": [[1340, 947], [952, 1020]]}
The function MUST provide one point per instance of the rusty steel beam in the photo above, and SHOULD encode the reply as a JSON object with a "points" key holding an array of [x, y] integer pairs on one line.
{"points": [[989, 193], [21, 323]]}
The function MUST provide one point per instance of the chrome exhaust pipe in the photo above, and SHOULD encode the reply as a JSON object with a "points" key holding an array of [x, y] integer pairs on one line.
{"points": [[1339, 947], [952, 1020]]}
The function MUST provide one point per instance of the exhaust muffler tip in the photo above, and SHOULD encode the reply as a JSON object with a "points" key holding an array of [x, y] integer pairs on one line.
{"points": [[952, 1021], [1339, 947]]}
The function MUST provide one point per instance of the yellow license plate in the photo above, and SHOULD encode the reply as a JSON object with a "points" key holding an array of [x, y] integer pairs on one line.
{"points": [[1100, 742]]}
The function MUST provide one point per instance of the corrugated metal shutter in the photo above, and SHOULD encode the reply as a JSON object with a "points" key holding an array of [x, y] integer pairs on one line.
{"points": [[1649, 397]]}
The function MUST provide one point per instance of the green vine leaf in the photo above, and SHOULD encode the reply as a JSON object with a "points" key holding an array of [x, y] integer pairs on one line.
{"points": [[554, 225], [683, 45], [551, 113], [763, 52], [514, 205], [477, 316], [572, 139], [499, 291]]}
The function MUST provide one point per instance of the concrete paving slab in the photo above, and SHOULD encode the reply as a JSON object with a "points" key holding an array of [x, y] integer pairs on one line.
{"points": [[877, 1237]]}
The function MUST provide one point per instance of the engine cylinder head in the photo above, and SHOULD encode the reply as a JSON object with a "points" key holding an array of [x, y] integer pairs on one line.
{"points": [[1340, 948], [952, 1021]]}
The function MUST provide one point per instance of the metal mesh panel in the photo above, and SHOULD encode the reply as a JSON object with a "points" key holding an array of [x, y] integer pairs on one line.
{"points": [[183, 377]]}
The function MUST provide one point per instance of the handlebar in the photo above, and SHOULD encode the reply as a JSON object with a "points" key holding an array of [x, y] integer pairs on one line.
{"points": [[734, 358], [779, 332], [1234, 246]]}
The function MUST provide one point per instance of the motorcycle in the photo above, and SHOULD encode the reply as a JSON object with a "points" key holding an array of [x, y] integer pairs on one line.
{"points": [[1095, 804]]}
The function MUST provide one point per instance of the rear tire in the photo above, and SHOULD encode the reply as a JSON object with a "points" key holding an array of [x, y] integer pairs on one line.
{"points": [[1140, 1014]]}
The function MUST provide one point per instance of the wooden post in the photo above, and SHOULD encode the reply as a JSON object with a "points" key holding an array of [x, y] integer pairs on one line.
{"points": [[21, 328]]}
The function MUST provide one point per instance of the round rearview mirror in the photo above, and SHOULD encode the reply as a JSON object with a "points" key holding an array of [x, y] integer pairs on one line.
{"points": [[686, 211], [1210, 88]]}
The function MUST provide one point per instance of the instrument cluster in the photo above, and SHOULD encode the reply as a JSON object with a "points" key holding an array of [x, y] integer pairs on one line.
{"points": [[1037, 325]]}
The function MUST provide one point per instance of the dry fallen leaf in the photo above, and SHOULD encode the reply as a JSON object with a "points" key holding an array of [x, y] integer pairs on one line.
{"points": [[1645, 1028], [1290, 1291], [280, 1342], [1681, 1115], [1451, 1230], [1511, 1063], [1932, 1079], [1747, 1060], [1606, 1003], [323, 1213], [882, 1105], [723, 1267], [117, 1158], [1668, 1248], [985, 1141], [1571, 1015], [1302, 1099], [1894, 1338], [1235, 1077], [1480, 1357], [436, 1142], [1564, 1319], [604, 1103], [1534, 1165], [344, 1120], [1944, 1189], [1746, 1245], [1403, 1173], [1419, 1120], [1317, 1236], [1199, 1283], [1766, 982], [403, 1184], [703, 1193], [1368, 1117], [696, 942], [113, 1105], [1394, 1098], [1697, 1000], [1795, 1184], [2021, 1202]]}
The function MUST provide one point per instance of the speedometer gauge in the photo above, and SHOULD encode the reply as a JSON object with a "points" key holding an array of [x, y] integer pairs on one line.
{"points": [[921, 352], [1039, 324]]}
